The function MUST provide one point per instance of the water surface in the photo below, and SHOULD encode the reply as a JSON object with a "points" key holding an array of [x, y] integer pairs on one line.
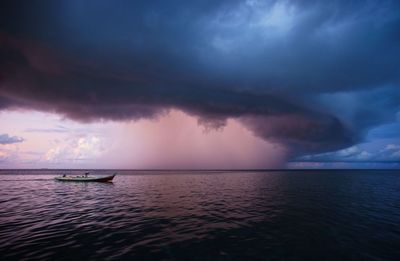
{"points": [[293, 215]]}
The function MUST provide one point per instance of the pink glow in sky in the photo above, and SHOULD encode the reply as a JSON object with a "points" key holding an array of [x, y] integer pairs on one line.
{"points": [[173, 141]]}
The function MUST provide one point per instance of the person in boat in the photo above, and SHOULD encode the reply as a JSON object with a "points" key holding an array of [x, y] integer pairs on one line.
{"points": [[64, 176], [86, 174]]}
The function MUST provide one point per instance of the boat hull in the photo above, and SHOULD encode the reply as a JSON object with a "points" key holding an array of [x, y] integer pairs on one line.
{"points": [[87, 179]]}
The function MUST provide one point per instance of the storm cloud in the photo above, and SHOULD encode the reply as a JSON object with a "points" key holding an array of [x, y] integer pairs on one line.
{"points": [[310, 75]]}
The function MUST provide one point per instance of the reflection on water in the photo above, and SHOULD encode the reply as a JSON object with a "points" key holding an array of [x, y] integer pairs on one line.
{"points": [[201, 215]]}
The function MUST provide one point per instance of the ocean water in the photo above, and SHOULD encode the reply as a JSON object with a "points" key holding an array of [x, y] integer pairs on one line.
{"points": [[186, 215]]}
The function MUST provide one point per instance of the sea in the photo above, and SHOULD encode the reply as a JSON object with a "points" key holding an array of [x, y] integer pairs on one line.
{"points": [[201, 215]]}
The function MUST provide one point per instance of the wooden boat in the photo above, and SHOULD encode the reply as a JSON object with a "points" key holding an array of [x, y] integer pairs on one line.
{"points": [[87, 178]]}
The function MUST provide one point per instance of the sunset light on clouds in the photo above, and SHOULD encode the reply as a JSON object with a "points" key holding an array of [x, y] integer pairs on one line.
{"points": [[174, 140]]}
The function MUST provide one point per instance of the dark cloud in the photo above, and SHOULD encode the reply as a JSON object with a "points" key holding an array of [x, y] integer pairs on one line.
{"points": [[312, 75], [7, 139], [310, 133], [386, 132]]}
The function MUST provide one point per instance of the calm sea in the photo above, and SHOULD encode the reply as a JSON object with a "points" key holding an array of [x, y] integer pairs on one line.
{"points": [[154, 215]]}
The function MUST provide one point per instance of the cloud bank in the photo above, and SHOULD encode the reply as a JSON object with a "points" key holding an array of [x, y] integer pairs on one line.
{"points": [[7, 139], [310, 75]]}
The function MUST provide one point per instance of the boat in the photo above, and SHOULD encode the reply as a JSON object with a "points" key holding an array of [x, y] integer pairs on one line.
{"points": [[87, 178]]}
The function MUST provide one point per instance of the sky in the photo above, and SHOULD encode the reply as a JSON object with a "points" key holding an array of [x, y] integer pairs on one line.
{"points": [[199, 84]]}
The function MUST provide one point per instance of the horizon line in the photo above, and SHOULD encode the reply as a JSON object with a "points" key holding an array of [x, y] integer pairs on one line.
{"points": [[216, 170]]}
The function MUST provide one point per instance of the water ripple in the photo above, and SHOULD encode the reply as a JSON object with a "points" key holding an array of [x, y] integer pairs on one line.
{"points": [[201, 216]]}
